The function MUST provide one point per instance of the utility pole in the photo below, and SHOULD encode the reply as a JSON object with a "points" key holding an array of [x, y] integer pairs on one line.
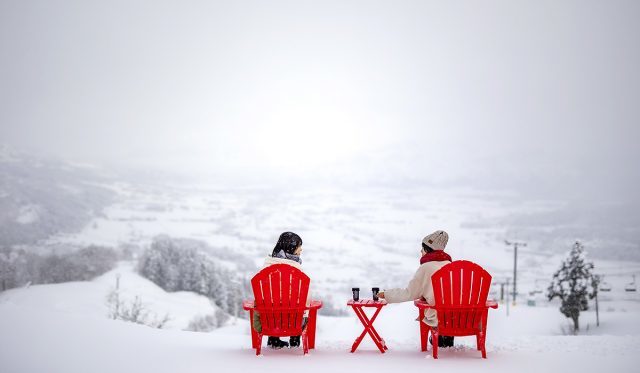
{"points": [[596, 284], [507, 303], [515, 245]]}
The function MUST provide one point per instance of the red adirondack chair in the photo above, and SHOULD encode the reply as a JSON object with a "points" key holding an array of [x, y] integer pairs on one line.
{"points": [[280, 295], [460, 290]]}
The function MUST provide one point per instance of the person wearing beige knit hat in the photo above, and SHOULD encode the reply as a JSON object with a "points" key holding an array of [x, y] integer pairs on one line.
{"points": [[432, 258], [436, 240]]}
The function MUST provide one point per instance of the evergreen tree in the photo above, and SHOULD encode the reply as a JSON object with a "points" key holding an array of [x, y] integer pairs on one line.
{"points": [[573, 284], [179, 265]]}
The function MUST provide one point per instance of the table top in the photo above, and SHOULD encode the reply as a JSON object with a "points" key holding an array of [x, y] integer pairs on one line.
{"points": [[367, 303]]}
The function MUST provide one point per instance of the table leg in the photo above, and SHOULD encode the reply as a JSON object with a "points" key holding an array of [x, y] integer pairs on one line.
{"points": [[373, 330], [368, 328], [356, 343]]}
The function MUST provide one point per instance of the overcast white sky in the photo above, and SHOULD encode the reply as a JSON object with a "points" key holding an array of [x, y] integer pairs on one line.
{"points": [[544, 90]]}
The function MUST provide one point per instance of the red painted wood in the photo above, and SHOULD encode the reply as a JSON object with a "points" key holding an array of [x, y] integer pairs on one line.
{"points": [[367, 322], [275, 282], [466, 320], [296, 301], [280, 294], [460, 293], [367, 303], [424, 331]]}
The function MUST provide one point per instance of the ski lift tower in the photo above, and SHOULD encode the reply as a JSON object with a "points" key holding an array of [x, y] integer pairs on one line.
{"points": [[515, 245]]}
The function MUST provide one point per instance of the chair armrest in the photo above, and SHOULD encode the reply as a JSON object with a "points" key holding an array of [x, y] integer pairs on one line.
{"points": [[248, 305], [314, 304], [422, 304]]}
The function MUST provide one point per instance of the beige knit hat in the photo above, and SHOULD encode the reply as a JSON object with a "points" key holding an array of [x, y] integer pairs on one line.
{"points": [[436, 240]]}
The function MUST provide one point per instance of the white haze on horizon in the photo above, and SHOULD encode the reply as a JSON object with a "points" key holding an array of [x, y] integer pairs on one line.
{"points": [[535, 96]]}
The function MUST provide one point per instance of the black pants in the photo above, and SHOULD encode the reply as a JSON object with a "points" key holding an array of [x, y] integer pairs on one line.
{"points": [[443, 341]]}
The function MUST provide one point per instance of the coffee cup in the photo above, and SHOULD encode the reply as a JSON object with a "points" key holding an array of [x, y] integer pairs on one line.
{"points": [[356, 294], [375, 292]]}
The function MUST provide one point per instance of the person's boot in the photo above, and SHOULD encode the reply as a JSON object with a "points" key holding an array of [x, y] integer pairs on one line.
{"points": [[276, 343], [294, 341]]}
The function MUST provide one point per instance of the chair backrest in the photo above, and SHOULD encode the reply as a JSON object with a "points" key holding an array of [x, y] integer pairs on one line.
{"points": [[460, 290], [280, 293]]}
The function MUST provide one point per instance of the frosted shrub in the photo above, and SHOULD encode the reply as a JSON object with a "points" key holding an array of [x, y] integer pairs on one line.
{"points": [[133, 311], [207, 323]]}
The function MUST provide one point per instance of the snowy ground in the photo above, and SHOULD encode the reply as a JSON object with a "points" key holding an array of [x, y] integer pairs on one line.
{"points": [[63, 328], [90, 298]]}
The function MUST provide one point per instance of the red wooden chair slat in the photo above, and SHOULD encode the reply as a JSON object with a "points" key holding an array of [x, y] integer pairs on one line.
{"points": [[280, 294], [460, 293], [275, 281], [295, 296], [467, 283]]}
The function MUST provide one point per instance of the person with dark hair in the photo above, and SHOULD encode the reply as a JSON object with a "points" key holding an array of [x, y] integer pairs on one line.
{"points": [[432, 258], [287, 251]]}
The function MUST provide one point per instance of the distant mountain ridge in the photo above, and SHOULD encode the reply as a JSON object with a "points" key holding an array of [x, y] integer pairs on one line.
{"points": [[40, 197]]}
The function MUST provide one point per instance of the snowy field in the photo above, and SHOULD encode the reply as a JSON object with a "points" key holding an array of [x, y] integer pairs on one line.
{"points": [[351, 238], [63, 329], [356, 237]]}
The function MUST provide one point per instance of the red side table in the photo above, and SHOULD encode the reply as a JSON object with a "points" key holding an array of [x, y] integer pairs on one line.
{"points": [[368, 323]]}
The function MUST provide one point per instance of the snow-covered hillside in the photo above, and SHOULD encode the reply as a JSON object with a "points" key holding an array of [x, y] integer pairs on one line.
{"points": [[89, 299], [63, 329], [40, 197]]}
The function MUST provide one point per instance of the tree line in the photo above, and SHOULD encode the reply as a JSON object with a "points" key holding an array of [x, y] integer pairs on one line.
{"points": [[177, 265], [19, 267]]}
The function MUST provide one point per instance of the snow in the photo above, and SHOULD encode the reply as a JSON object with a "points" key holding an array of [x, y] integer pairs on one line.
{"points": [[366, 237], [88, 299], [63, 328], [28, 214], [359, 238]]}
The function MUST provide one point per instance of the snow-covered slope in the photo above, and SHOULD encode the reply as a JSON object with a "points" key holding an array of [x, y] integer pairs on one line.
{"points": [[89, 299], [54, 329]]}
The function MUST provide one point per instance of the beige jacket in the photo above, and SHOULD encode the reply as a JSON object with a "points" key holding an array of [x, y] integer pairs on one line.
{"points": [[419, 287], [269, 261]]}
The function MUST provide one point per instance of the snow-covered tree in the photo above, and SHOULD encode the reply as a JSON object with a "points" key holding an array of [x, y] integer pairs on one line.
{"points": [[573, 284], [182, 265], [19, 267], [7, 270]]}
